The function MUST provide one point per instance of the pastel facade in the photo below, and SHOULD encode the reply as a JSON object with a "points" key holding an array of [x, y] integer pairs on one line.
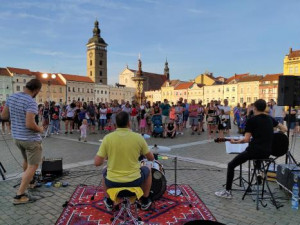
{"points": [[213, 92], [195, 92], [6, 87], [181, 90], [205, 79], [291, 63], [120, 93], [268, 87], [101, 93], [231, 93], [248, 89]]}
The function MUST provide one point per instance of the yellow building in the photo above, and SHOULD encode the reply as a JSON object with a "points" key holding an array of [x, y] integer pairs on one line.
{"points": [[248, 89], [230, 93], [213, 92], [205, 79], [195, 92], [291, 63], [167, 90]]}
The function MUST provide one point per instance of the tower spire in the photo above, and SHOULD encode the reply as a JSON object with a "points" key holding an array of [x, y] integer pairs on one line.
{"points": [[166, 70]]}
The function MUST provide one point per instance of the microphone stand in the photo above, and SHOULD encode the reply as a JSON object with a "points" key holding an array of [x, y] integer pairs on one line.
{"points": [[289, 157]]}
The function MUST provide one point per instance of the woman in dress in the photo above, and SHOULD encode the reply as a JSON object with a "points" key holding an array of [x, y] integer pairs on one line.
{"points": [[211, 113]]}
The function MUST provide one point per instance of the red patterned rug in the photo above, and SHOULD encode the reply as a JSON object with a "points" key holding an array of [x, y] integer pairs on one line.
{"points": [[169, 209]]}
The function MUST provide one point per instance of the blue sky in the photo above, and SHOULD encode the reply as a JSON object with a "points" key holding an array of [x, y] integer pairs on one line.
{"points": [[220, 36]]}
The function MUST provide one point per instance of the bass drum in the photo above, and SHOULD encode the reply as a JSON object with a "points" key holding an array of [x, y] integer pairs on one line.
{"points": [[159, 182]]}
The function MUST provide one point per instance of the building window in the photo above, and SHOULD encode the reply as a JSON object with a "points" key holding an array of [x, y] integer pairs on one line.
{"points": [[91, 62], [100, 73], [249, 99], [100, 62], [73, 89], [233, 88], [255, 98], [227, 89], [296, 69], [24, 81], [82, 90], [290, 70], [60, 90], [241, 90], [92, 90], [88, 91], [105, 92], [78, 89], [17, 80], [101, 92], [233, 99], [69, 89], [18, 88], [100, 81], [91, 73], [241, 100]]}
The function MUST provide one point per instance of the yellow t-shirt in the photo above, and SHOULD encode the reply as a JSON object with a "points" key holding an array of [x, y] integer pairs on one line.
{"points": [[123, 148]]}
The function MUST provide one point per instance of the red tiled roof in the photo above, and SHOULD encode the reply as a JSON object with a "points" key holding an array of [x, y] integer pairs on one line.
{"points": [[56, 81], [250, 78], [236, 77], [271, 77], [19, 71], [185, 85], [154, 80], [294, 54], [4, 72], [70, 77]]}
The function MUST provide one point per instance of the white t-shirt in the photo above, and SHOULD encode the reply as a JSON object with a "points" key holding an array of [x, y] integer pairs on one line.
{"points": [[103, 113], [278, 111], [226, 110]]}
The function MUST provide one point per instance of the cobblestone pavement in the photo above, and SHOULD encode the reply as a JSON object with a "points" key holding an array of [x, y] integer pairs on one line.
{"points": [[203, 166]]}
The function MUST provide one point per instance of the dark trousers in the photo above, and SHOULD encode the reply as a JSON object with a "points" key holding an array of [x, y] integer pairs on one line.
{"points": [[240, 159]]}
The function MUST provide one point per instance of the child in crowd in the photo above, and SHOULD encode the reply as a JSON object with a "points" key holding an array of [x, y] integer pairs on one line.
{"points": [[83, 129], [143, 122], [222, 125]]}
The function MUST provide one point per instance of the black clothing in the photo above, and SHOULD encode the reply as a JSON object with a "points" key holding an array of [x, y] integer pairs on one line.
{"points": [[54, 113], [261, 129], [170, 126]]}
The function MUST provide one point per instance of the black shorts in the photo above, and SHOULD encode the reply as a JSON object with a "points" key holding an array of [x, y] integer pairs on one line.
{"points": [[145, 171], [69, 118]]}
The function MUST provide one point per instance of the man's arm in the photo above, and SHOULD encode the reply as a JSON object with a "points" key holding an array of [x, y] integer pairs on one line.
{"points": [[150, 156], [246, 139], [98, 160], [30, 123], [281, 127], [5, 113]]}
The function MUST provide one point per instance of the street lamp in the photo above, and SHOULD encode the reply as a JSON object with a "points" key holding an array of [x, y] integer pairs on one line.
{"points": [[46, 76]]}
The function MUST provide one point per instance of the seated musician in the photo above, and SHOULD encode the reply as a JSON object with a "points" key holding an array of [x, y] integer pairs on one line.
{"points": [[260, 128], [122, 149]]}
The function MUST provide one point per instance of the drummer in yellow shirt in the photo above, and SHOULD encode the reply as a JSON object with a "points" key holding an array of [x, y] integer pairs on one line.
{"points": [[122, 149]]}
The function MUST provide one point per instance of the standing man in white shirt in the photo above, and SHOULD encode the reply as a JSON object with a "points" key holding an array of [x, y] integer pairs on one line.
{"points": [[227, 110]]}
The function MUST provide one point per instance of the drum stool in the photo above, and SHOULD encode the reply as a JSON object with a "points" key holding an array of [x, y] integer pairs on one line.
{"points": [[125, 198]]}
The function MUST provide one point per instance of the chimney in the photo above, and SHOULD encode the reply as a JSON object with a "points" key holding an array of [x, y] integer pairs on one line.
{"points": [[291, 50]]}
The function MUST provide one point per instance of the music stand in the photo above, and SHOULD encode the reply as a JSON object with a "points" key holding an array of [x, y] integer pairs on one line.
{"points": [[2, 171]]}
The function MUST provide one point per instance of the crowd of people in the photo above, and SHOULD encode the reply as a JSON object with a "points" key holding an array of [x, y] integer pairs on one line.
{"points": [[162, 119]]}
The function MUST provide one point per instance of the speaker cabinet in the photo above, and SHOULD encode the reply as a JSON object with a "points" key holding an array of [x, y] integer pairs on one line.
{"points": [[289, 90], [52, 167]]}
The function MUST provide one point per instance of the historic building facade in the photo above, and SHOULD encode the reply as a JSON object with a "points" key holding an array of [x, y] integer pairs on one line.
{"points": [[181, 90], [248, 88], [268, 87], [291, 63], [6, 87], [121, 92], [195, 92]]}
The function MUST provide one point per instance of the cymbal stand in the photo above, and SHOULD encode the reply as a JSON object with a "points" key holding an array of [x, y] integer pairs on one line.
{"points": [[2, 171]]}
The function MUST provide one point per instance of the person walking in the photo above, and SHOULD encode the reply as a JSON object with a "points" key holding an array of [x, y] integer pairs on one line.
{"points": [[21, 108]]}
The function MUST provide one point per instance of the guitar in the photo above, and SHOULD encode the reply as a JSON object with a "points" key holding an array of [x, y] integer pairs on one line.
{"points": [[280, 143]]}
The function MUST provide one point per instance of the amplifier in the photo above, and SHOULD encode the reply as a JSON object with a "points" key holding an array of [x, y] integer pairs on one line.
{"points": [[287, 175], [52, 167]]}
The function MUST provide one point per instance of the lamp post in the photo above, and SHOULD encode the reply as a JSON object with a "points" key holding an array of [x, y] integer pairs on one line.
{"points": [[49, 77]]}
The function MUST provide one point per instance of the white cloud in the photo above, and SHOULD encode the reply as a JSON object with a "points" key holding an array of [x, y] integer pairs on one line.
{"points": [[196, 11], [8, 15], [46, 52]]}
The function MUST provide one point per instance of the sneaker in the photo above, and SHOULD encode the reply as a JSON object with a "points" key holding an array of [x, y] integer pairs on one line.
{"points": [[109, 204], [66, 132], [79, 139], [145, 203], [22, 199], [224, 194], [71, 132]]}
